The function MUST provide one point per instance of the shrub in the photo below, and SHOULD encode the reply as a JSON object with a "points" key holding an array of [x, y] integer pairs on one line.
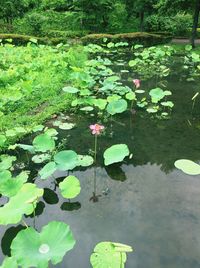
{"points": [[177, 25], [132, 38]]}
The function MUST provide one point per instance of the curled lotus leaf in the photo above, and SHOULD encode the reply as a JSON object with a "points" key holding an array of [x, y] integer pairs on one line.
{"points": [[10, 186], [47, 170], [109, 255], [22, 203], [33, 249]]}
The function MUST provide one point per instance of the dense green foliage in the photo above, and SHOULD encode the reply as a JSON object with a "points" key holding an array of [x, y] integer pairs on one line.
{"points": [[67, 18]]}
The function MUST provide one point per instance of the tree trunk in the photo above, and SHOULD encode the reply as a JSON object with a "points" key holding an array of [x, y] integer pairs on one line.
{"points": [[142, 21], [195, 22]]}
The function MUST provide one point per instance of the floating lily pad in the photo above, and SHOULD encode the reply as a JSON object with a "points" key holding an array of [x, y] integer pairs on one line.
{"points": [[140, 91], [66, 160], [167, 104], [157, 94], [70, 187], [66, 126], [10, 186], [115, 154], [21, 203], [43, 143], [69, 89], [152, 110], [38, 128], [109, 255], [40, 158], [51, 132], [33, 249], [87, 109], [6, 161], [26, 147], [47, 170], [117, 107], [85, 160], [187, 166], [130, 96]]}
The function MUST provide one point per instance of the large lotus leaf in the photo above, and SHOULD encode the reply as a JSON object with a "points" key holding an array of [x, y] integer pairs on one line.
{"points": [[85, 160], [70, 187], [157, 94], [66, 160], [47, 170], [43, 143], [117, 107], [9, 263], [115, 154], [22, 203], [187, 166], [6, 161], [100, 103], [33, 249], [109, 255], [10, 186]]}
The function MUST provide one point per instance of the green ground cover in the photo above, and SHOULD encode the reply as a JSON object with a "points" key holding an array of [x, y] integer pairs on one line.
{"points": [[31, 82]]}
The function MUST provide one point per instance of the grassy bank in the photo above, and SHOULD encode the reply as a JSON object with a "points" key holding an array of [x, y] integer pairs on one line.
{"points": [[31, 82]]}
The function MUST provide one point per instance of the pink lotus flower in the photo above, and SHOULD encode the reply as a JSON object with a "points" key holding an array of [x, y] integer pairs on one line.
{"points": [[96, 129], [136, 82]]}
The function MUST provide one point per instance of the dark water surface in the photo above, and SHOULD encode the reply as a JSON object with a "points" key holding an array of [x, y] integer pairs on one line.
{"points": [[144, 202]]}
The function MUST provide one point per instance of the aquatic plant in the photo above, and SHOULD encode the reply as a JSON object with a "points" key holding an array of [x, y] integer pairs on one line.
{"points": [[32, 249], [109, 255], [116, 153], [96, 130], [70, 187], [187, 166]]}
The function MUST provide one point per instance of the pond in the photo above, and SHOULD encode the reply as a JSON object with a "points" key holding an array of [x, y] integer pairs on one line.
{"points": [[144, 202]]}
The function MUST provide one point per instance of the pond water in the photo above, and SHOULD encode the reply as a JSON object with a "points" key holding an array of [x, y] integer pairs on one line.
{"points": [[144, 202]]}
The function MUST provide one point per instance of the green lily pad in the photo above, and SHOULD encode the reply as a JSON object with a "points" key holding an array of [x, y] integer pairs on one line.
{"points": [[87, 109], [130, 96], [26, 147], [40, 158], [69, 89], [140, 91], [157, 94], [10, 186], [187, 166], [115, 154], [38, 128], [22, 203], [85, 160], [6, 161], [66, 160], [109, 255], [43, 143], [66, 126], [100, 103], [70, 187], [47, 170], [117, 107], [52, 132], [33, 249], [167, 104]]}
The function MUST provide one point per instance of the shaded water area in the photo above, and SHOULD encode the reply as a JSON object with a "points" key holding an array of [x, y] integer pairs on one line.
{"points": [[145, 201]]}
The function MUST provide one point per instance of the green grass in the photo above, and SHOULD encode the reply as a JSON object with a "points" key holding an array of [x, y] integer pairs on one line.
{"points": [[31, 82]]}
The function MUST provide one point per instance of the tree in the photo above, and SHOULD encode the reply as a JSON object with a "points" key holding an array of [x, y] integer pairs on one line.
{"points": [[175, 6]]}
